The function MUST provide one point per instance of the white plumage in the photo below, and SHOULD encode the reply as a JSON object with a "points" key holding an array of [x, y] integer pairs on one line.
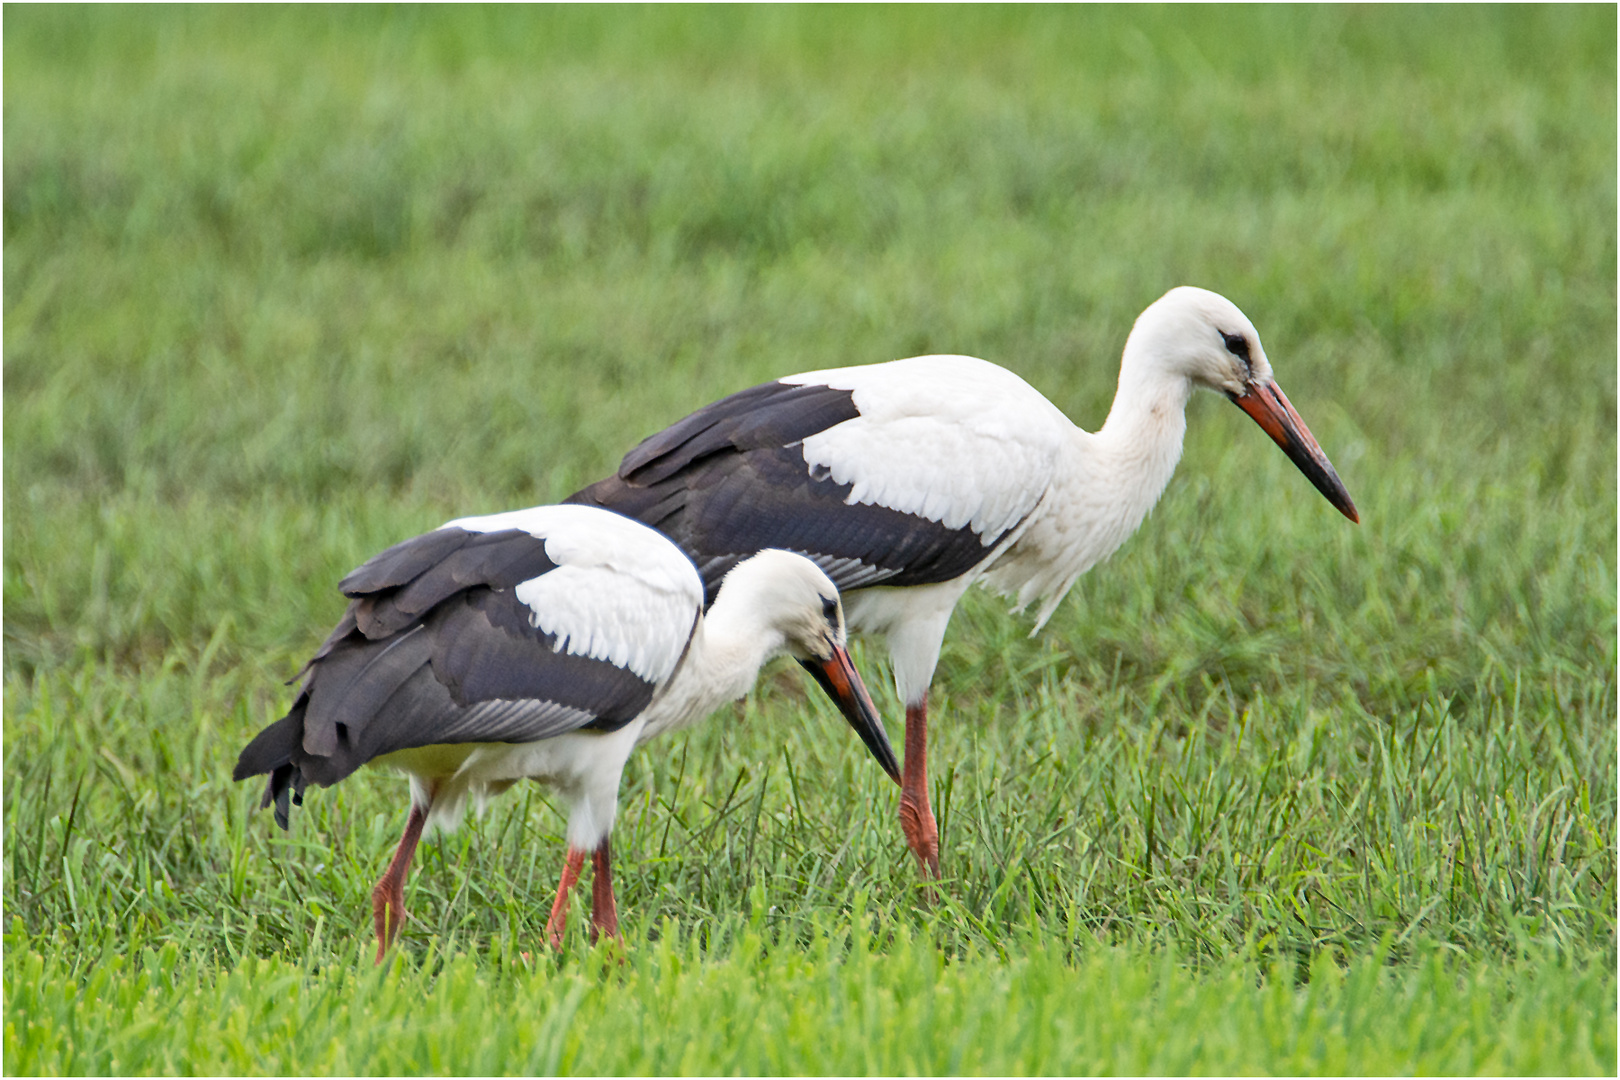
{"points": [[619, 594], [934, 437]]}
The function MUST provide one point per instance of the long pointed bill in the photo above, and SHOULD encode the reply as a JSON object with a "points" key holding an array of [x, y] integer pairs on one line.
{"points": [[838, 677], [1269, 407]]}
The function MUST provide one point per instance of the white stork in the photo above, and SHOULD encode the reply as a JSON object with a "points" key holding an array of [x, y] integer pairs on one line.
{"points": [[911, 480], [541, 644]]}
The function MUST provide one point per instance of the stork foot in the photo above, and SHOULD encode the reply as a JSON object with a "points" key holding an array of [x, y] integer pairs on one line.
{"points": [[388, 896], [922, 834], [387, 913]]}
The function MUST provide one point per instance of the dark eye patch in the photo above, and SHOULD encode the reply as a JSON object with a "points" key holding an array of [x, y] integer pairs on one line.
{"points": [[1237, 345], [829, 608]]}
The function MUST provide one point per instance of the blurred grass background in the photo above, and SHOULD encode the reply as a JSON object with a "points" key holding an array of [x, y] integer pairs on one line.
{"points": [[286, 285]]}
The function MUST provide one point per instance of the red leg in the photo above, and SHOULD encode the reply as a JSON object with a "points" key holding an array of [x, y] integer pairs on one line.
{"points": [[388, 897], [916, 819], [604, 912], [559, 909]]}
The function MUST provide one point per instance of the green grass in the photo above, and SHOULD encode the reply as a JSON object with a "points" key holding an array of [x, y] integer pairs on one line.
{"points": [[1270, 793], [678, 1006]]}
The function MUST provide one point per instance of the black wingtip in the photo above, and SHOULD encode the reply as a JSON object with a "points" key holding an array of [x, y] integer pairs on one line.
{"points": [[284, 790], [275, 791], [273, 747], [271, 751]]}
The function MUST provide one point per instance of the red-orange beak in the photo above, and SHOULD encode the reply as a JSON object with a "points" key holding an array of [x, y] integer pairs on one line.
{"points": [[838, 677], [1269, 407]]}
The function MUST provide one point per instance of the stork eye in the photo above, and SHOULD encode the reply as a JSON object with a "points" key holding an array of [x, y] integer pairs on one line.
{"points": [[829, 608], [1237, 345]]}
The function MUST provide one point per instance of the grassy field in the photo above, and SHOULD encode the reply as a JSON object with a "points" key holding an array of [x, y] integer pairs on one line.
{"points": [[1272, 793]]}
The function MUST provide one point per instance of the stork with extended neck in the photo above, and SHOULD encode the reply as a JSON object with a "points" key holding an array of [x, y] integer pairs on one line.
{"points": [[909, 481], [542, 644]]}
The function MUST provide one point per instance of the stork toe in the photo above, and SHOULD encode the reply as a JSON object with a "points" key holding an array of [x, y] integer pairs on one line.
{"points": [[387, 913], [922, 834]]}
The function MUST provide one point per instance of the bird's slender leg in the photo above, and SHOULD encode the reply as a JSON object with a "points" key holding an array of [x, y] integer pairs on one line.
{"points": [[604, 912], [916, 818], [559, 909], [388, 897]]}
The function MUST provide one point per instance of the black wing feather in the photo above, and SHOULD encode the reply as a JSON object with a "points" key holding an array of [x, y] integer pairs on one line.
{"points": [[731, 480], [484, 648], [769, 415], [346, 689], [396, 587], [404, 562]]}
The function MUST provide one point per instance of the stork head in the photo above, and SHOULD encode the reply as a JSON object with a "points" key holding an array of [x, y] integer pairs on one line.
{"points": [[1202, 337], [797, 610]]}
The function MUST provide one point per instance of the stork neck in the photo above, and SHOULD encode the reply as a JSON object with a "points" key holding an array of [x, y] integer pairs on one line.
{"points": [[1134, 454], [1142, 437], [728, 647], [733, 643]]}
